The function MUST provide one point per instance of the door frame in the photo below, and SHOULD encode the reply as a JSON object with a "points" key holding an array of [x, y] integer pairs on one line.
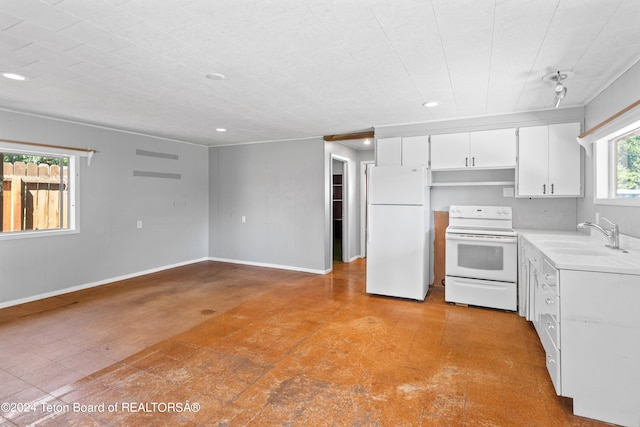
{"points": [[364, 210], [345, 205]]}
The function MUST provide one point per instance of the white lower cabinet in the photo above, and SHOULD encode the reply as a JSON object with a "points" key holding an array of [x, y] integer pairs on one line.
{"points": [[589, 326], [528, 278], [600, 342], [546, 319]]}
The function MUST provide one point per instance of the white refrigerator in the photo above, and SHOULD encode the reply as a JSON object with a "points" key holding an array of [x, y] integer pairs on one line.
{"points": [[398, 223]]}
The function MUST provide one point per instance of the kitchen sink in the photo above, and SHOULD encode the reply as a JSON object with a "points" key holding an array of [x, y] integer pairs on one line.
{"points": [[564, 243], [584, 251]]}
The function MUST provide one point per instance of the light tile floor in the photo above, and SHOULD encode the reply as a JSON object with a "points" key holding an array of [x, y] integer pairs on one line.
{"points": [[257, 346]]}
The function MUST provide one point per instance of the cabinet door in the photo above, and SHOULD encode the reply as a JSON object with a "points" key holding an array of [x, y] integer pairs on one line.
{"points": [[415, 151], [389, 152], [564, 160], [533, 158], [493, 148], [450, 151]]}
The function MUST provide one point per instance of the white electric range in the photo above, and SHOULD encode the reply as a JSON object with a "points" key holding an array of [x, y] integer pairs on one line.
{"points": [[481, 257]]}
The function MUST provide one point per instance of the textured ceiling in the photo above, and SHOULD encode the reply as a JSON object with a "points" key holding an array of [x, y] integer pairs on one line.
{"points": [[304, 68]]}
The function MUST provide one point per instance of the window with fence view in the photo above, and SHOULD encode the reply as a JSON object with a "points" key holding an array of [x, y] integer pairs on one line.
{"points": [[34, 193]]}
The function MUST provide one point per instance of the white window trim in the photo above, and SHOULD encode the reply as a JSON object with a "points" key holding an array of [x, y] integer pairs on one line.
{"points": [[597, 174], [73, 207]]}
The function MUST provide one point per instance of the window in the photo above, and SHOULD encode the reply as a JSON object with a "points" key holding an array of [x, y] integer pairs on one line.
{"points": [[38, 193], [626, 154], [618, 167]]}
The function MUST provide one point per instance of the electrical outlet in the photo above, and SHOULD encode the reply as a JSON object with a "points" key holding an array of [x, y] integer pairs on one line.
{"points": [[139, 224], [508, 192]]}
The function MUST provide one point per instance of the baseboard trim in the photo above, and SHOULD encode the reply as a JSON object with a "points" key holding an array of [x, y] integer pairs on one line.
{"points": [[268, 265], [95, 284]]}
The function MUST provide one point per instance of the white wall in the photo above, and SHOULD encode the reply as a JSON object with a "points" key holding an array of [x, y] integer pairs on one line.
{"points": [[111, 200], [279, 188], [620, 94]]}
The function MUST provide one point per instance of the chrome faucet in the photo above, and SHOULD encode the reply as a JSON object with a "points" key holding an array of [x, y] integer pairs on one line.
{"points": [[613, 234]]}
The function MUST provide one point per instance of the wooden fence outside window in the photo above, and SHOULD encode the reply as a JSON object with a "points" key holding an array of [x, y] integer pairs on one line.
{"points": [[31, 196]]}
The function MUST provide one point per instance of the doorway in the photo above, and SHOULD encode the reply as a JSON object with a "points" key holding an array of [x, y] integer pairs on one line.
{"points": [[339, 199], [365, 168]]}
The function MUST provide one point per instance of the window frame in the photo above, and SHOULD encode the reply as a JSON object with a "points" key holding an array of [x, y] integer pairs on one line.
{"points": [[605, 167], [72, 191]]}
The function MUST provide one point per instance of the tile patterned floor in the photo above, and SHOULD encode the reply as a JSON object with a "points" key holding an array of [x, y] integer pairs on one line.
{"points": [[228, 345]]}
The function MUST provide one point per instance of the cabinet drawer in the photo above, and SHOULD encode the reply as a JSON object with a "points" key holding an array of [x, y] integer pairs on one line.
{"points": [[553, 367], [551, 328], [550, 276], [549, 302], [553, 358]]}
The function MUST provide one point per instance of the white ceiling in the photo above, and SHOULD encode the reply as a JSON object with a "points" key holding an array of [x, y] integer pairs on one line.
{"points": [[304, 68]]}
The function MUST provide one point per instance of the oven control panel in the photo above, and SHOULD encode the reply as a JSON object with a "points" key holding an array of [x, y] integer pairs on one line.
{"points": [[483, 212]]}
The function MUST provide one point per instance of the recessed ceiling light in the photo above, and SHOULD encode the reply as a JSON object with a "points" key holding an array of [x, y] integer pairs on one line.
{"points": [[215, 76], [430, 104], [14, 76], [221, 130], [367, 142]]}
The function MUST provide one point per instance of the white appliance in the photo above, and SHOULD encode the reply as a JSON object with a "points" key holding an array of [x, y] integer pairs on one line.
{"points": [[481, 257], [398, 232]]}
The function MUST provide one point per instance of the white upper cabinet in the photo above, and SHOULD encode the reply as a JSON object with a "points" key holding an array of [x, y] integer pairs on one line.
{"points": [[549, 161], [493, 149], [415, 151], [564, 160], [407, 151], [389, 152], [450, 151]]}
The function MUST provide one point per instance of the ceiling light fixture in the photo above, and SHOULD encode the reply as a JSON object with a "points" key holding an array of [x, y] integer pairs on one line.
{"points": [[221, 130], [215, 76], [14, 76], [367, 142], [430, 104], [559, 89]]}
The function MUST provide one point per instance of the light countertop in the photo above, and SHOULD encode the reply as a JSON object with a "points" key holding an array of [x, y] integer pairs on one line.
{"points": [[574, 250]]}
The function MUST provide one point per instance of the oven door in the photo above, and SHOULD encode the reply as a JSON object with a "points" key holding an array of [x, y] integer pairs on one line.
{"points": [[482, 257]]}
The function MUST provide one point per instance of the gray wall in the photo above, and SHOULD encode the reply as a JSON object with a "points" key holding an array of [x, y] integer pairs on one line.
{"points": [[111, 200], [279, 188], [554, 214], [620, 94]]}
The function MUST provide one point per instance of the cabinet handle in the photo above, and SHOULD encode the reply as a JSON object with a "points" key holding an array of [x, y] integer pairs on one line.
{"points": [[552, 190], [551, 360], [544, 188], [549, 301], [466, 162], [473, 161], [548, 276], [550, 326]]}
